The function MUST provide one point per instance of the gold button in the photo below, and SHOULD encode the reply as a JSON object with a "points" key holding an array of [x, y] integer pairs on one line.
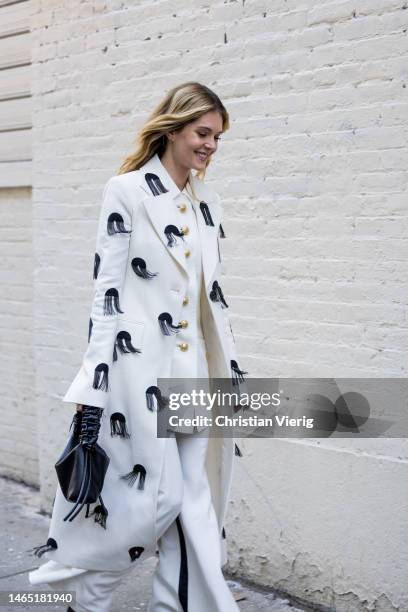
{"points": [[187, 253], [183, 346], [182, 207], [185, 230], [184, 323], [185, 301]]}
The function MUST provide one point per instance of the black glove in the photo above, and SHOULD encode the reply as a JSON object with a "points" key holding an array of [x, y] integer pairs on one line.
{"points": [[90, 426]]}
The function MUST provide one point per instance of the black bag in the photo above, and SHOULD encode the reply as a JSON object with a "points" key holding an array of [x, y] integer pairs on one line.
{"points": [[82, 466]]}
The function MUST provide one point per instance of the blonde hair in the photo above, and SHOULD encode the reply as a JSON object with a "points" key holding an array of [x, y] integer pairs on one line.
{"points": [[181, 105]]}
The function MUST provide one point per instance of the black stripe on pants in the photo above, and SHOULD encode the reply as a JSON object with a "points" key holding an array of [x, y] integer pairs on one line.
{"points": [[183, 580]]}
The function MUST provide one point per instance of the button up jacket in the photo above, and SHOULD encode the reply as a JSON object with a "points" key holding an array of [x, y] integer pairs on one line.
{"points": [[141, 287]]}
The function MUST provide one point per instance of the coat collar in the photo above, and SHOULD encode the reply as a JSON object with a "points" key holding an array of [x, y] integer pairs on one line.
{"points": [[162, 197]]}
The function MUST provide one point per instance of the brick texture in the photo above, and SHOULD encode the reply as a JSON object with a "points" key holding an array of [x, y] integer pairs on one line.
{"points": [[18, 420], [313, 179]]}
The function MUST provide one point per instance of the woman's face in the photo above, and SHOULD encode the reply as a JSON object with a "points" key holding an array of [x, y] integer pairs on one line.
{"points": [[197, 141]]}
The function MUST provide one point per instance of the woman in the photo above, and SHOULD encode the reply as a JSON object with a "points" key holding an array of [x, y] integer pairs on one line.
{"points": [[158, 313]]}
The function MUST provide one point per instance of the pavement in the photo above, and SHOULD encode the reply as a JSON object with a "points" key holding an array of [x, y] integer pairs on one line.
{"points": [[24, 527]]}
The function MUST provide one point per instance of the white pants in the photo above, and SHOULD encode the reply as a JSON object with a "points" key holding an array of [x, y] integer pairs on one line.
{"points": [[188, 576]]}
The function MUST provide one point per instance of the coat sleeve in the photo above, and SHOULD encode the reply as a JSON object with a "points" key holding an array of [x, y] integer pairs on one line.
{"points": [[91, 385]]}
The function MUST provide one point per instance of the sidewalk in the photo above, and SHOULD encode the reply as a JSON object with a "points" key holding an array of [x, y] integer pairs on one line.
{"points": [[23, 527]]}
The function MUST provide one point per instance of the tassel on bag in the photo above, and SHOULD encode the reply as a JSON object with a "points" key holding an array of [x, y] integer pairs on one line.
{"points": [[131, 477], [118, 425], [135, 552], [206, 213], [116, 225], [237, 450], [111, 303], [90, 325], [155, 184], [139, 268], [97, 261], [160, 399], [101, 377], [124, 344], [221, 232], [216, 295], [238, 375], [171, 231], [38, 551], [166, 324]]}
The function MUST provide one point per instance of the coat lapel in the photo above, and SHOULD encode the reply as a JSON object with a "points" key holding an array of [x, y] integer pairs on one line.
{"points": [[162, 195], [208, 233]]}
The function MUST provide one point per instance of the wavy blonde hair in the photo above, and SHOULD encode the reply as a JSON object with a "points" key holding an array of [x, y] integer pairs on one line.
{"points": [[181, 105]]}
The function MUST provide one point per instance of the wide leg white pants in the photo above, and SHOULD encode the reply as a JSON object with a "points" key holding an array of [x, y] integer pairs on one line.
{"points": [[188, 576]]}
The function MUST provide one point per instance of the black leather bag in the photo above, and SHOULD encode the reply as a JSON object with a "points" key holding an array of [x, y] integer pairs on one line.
{"points": [[83, 464]]}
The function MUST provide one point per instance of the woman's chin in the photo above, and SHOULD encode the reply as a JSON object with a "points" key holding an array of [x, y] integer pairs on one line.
{"points": [[198, 164]]}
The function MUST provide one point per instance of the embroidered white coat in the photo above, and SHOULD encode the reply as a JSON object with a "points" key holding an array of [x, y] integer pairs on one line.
{"points": [[136, 209]]}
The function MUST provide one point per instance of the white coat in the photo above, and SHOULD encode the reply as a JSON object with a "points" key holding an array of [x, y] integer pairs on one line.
{"points": [[141, 215]]}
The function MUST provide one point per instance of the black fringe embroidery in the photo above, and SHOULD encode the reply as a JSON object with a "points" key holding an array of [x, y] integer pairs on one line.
{"points": [[206, 213], [118, 425], [100, 513], [216, 295], [171, 231], [160, 399], [131, 477], [237, 450], [97, 261], [139, 268], [51, 544], [166, 324], [155, 184], [124, 344], [116, 225], [135, 552], [223, 533], [221, 232], [90, 325], [237, 374], [111, 304], [101, 377]]}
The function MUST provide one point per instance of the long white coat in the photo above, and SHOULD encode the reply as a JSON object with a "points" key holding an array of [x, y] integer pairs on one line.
{"points": [[137, 209]]}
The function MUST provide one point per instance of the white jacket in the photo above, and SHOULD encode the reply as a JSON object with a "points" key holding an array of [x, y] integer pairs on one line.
{"points": [[141, 281]]}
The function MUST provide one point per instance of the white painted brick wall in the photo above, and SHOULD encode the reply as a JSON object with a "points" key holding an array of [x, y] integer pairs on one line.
{"points": [[313, 180], [18, 418]]}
